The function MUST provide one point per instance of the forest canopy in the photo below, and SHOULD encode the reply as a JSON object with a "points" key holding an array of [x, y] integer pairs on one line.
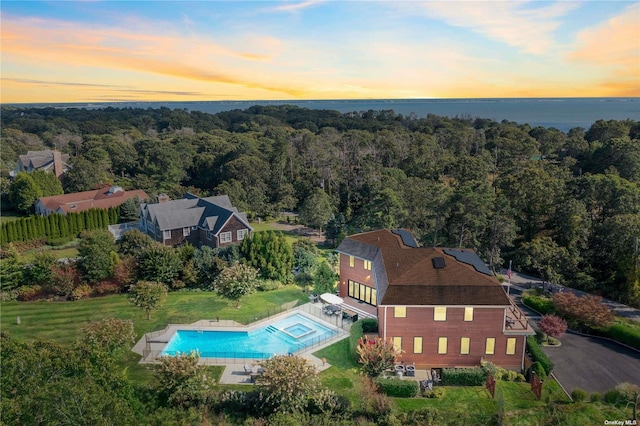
{"points": [[565, 206]]}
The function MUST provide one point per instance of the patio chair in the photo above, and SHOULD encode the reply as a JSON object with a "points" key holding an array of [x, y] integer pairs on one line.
{"points": [[248, 369]]}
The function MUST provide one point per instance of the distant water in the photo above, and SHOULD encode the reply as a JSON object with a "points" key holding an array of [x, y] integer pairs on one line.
{"points": [[561, 113]]}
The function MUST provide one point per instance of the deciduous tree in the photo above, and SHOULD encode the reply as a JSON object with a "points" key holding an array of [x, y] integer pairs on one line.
{"points": [[588, 309], [181, 381], [289, 382], [109, 335], [236, 281], [553, 326], [376, 356], [324, 279], [148, 295], [23, 192]]}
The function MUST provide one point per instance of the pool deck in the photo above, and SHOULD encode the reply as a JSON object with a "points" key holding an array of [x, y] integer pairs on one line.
{"points": [[234, 372]]}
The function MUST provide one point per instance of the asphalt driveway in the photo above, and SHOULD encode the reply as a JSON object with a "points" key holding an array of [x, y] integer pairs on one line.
{"points": [[594, 365]]}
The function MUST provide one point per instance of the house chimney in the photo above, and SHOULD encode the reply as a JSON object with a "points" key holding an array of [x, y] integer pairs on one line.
{"points": [[163, 198], [58, 170]]}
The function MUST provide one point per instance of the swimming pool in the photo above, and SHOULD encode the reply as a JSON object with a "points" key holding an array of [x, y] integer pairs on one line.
{"points": [[288, 335]]}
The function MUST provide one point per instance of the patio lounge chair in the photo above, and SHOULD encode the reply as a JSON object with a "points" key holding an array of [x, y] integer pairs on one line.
{"points": [[248, 369]]}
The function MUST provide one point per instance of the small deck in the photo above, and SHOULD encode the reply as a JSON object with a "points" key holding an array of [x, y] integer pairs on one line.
{"points": [[516, 322]]}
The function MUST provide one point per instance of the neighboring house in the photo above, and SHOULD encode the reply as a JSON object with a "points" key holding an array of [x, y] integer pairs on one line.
{"points": [[103, 198], [442, 307], [211, 221], [51, 161]]}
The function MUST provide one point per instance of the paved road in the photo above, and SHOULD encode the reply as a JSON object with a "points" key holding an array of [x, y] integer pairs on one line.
{"points": [[594, 365], [527, 281]]}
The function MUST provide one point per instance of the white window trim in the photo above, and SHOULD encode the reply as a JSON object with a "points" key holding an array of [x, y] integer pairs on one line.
{"points": [[223, 237], [186, 231], [241, 233], [164, 235]]}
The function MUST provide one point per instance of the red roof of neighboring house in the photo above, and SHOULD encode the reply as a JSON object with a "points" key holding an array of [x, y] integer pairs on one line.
{"points": [[103, 198]]}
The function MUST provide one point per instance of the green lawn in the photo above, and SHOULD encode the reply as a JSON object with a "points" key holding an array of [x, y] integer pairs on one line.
{"points": [[62, 321], [9, 216]]}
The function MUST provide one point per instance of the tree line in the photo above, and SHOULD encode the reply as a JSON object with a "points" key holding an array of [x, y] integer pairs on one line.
{"points": [[564, 205]]}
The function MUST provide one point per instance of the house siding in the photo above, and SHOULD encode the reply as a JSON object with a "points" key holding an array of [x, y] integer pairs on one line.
{"points": [[356, 273], [419, 322], [233, 225]]}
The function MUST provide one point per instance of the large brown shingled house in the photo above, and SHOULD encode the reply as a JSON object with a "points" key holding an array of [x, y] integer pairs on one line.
{"points": [[442, 307]]}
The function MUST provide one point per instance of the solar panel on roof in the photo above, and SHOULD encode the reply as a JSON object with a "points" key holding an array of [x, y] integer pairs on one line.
{"points": [[438, 262], [470, 258], [407, 238]]}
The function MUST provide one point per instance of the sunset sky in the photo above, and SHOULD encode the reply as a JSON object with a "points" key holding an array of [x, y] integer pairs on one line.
{"points": [[93, 51]]}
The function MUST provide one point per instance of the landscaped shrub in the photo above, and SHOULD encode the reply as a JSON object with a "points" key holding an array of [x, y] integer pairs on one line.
{"points": [[538, 369], [358, 330], [544, 305], [511, 376], [80, 292], [595, 397], [398, 387], [538, 355], [435, 393], [268, 285], [612, 396], [56, 242], [464, 376], [625, 333], [28, 292], [106, 287], [328, 402], [578, 395]]}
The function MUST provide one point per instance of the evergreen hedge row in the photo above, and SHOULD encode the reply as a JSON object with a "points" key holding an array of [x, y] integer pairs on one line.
{"points": [[359, 329], [57, 226], [624, 333], [540, 304], [537, 355], [398, 387], [464, 376]]}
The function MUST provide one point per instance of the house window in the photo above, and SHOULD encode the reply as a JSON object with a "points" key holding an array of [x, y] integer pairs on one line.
{"points": [[511, 346], [464, 345], [186, 231], [367, 265], [167, 235], [490, 346], [242, 233], [397, 343], [442, 345], [417, 345], [225, 237], [400, 312], [352, 261], [468, 314], [208, 235], [362, 292], [440, 313]]}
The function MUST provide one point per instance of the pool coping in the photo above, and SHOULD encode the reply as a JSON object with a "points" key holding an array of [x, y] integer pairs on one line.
{"points": [[159, 341]]}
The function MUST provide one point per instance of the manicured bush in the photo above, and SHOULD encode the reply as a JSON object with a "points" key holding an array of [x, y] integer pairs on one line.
{"points": [[56, 242], [268, 285], [435, 393], [595, 397], [578, 395], [511, 376], [106, 287], [625, 333], [464, 376], [538, 369], [398, 388], [538, 355], [80, 292], [358, 330], [612, 396], [544, 305], [28, 292]]}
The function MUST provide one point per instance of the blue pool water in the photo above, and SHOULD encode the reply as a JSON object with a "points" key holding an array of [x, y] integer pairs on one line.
{"points": [[288, 335]]}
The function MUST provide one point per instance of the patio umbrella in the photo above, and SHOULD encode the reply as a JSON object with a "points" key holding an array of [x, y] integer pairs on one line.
{"points": [[331, 299]]}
